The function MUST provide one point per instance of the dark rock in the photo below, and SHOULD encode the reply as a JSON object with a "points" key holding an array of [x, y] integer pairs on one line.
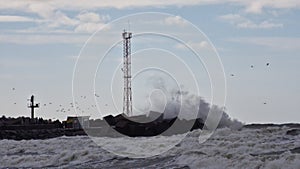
{"points": [[295, 150], [293, 132], [111, 126], [267, 153], [142, 126], [198, 124], [110, 120], [260, 126]]}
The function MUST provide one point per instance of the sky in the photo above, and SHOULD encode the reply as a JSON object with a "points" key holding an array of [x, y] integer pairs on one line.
{"points": [[41, 41]]}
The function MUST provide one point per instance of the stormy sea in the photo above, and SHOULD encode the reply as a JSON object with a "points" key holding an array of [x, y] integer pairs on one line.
{"points": [[249, 147]]}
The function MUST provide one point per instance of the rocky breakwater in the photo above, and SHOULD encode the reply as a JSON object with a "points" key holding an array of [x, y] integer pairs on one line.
{"points": [[149, 125], [152, 125], [38, 132], [20, 134]]}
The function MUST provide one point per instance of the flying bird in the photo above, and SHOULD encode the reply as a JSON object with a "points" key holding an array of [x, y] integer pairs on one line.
{"points": [[268, 64]]}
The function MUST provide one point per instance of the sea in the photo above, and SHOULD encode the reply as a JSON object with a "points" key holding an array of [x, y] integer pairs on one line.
{"points": [[269, 147]]}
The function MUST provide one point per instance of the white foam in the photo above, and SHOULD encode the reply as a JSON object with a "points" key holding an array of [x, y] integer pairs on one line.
{"points": [[227, 148]]}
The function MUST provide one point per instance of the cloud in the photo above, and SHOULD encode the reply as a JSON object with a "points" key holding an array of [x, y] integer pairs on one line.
{"points": [[12, 18], [257, 6], [44, 8], [92, 17], [59, 22], [195, 45], [254, 7], [58, 28], [242, 22], [53, 18], [175, 20], [59, 16], [59, 19], [84, 22], [263, 25], [88, 27], [90, 22]]}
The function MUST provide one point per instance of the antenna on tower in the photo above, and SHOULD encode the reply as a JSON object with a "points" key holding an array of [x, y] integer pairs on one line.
{"points": [[127, 100], [32, 106], [129, 25]]}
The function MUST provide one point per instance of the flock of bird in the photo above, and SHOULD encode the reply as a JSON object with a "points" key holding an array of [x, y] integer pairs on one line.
{"points": [[252, 66], [72, 105]]}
